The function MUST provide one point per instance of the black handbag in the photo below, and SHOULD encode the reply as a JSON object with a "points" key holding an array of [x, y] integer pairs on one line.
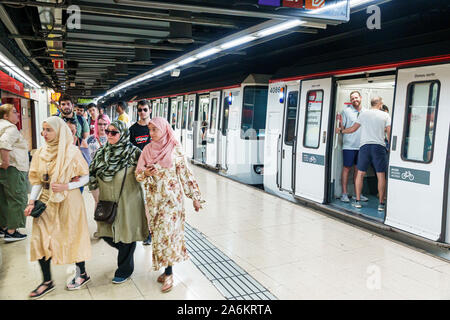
{"points": [[39, 207], [106, 211]]}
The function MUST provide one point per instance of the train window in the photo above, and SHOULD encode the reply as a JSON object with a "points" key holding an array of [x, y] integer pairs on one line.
{"points": [[212, 123], [226, 113], [254, 110], [191, 114], [291, 116], [166, 109], [179, 114], [184, 120], [314, 103], [421, 114]]}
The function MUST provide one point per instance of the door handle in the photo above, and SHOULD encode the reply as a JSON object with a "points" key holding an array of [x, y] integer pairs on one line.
{"points": [[324, 137], [394, 143], [283, 153]]}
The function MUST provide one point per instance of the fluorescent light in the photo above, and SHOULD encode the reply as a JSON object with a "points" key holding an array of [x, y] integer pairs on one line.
{"points": [[16, 71], [171, 67], [158, 72], [280, 27], [186, 61], [237, 42], [207, 53]]}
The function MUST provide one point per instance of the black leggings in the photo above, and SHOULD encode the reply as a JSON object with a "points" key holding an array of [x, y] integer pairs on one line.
{"points": [[45, 267]]}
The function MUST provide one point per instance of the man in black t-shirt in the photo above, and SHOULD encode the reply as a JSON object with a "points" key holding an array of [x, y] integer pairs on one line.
{"points": [[139, 133], [140, 136]]}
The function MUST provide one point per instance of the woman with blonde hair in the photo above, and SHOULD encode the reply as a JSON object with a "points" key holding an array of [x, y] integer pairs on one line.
{"points": [[14, 165], [163, 170], [60, 234]]}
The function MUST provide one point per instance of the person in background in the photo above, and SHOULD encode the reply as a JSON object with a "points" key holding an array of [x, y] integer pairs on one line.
{"points": [[140, 137], [163, 170], [66, 107], [61, 232], [14, 166], [374, 125], [122, 109], [112, 164], [99, 139], [93, 113], [350, 147]]}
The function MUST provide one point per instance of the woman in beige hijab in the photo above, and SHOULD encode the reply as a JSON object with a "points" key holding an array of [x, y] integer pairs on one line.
{"points": [[61, 232]]}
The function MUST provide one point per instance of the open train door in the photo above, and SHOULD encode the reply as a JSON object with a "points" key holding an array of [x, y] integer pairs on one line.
{"points": [[417, 194], [191, 125], [212, 133], [311, 144]]}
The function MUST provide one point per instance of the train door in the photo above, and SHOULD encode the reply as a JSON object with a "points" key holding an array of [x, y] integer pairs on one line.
{"points": [[16, 103], [184, 117], [172, 114], [191, 125], [211, 136], [202, 128], [178, 105], [164, 109], [417, 194], [223, 128], [311, 145], [288, 138]]}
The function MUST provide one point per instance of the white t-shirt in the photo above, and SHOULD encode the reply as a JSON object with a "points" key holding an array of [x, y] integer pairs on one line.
{"points": [[373, 124]]}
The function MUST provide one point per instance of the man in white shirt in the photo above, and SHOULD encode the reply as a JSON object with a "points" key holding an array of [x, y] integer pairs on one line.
{"points": [[350, 147], [373, 123]]}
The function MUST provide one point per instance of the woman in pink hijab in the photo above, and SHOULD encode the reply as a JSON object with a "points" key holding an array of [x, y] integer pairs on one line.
{"points": [[163, 170]]}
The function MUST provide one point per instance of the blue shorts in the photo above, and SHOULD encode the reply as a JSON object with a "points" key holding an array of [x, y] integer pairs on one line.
{"points": [[350, 158], [375, 154]]}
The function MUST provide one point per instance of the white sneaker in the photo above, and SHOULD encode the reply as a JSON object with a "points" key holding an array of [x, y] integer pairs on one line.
{"points": [[362, 198], [344, 198]]}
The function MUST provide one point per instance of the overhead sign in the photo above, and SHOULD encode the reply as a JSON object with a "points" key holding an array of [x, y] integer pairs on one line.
{"points": [[10, 84], [56, 96], [325, 9], [58, 64]]}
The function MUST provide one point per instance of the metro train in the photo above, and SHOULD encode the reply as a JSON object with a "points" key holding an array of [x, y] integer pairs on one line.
{"points": [[279, 132]]}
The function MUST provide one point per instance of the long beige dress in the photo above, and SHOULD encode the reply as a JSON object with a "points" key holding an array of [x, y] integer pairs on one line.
{"points": [[166, 209], [61, 232]]}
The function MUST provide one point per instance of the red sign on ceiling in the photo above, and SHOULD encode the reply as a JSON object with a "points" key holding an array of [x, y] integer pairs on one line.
{"points": [[314, 4], [58, 64], [293, 3]]}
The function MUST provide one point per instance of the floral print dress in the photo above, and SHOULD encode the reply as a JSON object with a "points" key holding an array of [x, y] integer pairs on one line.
{"points": [[165, 203]]}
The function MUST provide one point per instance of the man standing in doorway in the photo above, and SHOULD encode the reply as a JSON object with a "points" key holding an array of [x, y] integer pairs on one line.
{"points": [[350, 146], [140, 137], [122, 109], [67, 112], [374, 124]]}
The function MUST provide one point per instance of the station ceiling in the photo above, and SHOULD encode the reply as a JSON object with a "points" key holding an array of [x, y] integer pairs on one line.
{"points": [[121, 39]]}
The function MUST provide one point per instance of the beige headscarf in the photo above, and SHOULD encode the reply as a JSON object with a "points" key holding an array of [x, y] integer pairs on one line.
{"points": [[59, 154]]}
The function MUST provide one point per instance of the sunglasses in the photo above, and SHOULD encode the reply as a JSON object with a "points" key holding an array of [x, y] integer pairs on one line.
{"points": [[71, 120], [140, 110], [46, 179], [113, 133]]}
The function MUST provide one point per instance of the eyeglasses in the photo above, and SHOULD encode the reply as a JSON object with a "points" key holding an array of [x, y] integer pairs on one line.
{"points": [[140, 110], [71, 120], [103, 124], [113, 133]]}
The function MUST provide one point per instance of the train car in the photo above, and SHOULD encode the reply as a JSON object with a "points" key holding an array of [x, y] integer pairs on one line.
{"points": [[303, 154], [223, 128]]}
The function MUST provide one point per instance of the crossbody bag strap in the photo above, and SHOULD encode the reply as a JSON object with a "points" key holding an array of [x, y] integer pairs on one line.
{"points": [[123, 182]]}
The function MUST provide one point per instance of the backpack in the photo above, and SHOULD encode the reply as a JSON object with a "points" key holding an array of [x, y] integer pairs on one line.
{"points": [[81, 122]]}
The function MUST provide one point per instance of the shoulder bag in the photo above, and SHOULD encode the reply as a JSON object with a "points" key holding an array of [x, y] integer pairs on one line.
{"points": [[106, 211]]}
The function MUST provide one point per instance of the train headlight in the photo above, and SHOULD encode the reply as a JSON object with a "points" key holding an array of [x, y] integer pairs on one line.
{"points": [[282, 95]]}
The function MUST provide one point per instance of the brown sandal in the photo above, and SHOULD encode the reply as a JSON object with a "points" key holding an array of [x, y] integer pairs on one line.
{"points": [[168, 284], [161, 278]]}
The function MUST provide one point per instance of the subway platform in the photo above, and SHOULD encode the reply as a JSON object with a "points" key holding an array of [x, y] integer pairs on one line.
{"points": [[247, 244]]}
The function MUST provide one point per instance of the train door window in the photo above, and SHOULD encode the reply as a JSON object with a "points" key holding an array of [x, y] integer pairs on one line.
{"points": [[291, 116], [421, 113], [191, 114], [254, 110], [226, 112], [179, 115], [166, 109], [314, 103], [184, 117], [212, 123]]}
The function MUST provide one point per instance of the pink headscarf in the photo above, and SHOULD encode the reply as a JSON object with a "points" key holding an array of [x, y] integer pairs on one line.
{"points": [[159, 151], [105, 118]]}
